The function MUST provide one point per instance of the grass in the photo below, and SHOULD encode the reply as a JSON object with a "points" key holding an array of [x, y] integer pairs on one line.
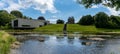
{"points": [[71, 28], [5, 41], [80, 28], [50, 28]]}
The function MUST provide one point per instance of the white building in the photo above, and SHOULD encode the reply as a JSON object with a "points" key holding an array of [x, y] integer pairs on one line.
{"points": [[28, 23]]}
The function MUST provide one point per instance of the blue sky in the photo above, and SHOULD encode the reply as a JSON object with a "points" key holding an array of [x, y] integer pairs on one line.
{"points": [[53, 9]]}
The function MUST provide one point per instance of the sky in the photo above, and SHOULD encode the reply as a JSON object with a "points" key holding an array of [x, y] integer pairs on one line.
{"points": [[54, 9]]}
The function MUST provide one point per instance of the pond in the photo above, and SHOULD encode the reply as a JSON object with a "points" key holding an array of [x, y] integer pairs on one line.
{"points": [[63, 45]]}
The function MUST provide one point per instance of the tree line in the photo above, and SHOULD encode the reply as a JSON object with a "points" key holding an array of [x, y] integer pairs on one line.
{"points": [[101, 20], [71, 20]]}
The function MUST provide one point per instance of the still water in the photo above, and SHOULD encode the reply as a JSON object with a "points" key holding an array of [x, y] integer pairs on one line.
{"points": [[63, 45]]}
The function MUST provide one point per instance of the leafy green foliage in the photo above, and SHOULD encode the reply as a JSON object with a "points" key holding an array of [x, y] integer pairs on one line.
{"points": [[86, 20], [41, 18], [101, 20], [17, 13], [5, 18], [71, 20], [115, 21], [90, 3], [3, 11], [59, 21], [5, 41]]}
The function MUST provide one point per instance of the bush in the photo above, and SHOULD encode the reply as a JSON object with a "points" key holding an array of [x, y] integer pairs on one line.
{"points": [[102, 20], [59, 21], [86, 20], [71, 20]]}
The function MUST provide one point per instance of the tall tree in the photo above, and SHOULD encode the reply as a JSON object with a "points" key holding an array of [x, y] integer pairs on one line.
{"points": [[1, 11], [5, 18], [86, 20], [17, 13], [109, 3], [41, 18], [102, 20], [71, 20], [59, 21], [115, 21]]}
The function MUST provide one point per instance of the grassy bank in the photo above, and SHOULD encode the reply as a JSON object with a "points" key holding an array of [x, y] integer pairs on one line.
{"points": [[80, 28], [73, 28], [5, 41], [50, 28], [91, 28]]}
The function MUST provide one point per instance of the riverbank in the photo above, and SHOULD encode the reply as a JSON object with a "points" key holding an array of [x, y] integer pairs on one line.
{"points": [[71, 28], [5, 41]]}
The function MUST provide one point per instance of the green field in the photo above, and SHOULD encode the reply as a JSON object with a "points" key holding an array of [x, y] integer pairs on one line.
{"points": [[51, 28], [80, 28], [73, 28]]}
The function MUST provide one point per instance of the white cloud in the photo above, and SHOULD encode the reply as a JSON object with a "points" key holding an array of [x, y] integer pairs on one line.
{"points": [[54, 17], [1, 4], [94, 6], [113, 11], [53, 21], [97, 6], [41, 5]]}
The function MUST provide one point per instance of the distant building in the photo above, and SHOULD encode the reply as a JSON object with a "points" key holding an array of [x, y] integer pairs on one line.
{"points": [[28, 23]]}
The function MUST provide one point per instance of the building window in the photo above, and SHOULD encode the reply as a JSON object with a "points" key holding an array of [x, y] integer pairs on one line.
{"points": [[25, 25]]}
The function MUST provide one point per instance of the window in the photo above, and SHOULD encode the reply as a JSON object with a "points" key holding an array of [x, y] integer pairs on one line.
{"points": [[25, 25]]}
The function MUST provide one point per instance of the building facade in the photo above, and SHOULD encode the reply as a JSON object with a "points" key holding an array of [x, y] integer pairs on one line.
{"points": [[28, 23]]}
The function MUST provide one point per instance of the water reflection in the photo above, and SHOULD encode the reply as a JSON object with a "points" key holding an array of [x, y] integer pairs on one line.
{"points": [[64, 45]]}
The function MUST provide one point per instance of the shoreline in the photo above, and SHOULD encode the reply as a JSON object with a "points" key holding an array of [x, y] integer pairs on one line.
{"points": [[96, 33], [106, 35]]}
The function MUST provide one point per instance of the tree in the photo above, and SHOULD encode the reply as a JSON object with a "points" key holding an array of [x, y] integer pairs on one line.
{"points": [[71, 20], [59, 21], [17, 13], [5, 18], [41, 18], [26, 17], [86, 20], [115, 21], [109, 3], [102, 20], [1, 11]]}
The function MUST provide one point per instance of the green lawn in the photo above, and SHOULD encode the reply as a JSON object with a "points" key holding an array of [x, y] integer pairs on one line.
{"points": [[80, 28], [73, 28], [51, 28]]}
